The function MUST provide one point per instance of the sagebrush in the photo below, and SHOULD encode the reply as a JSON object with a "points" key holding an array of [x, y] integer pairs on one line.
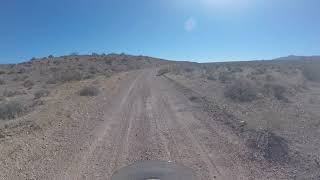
{"points": [[10, 110], [89, 91]]}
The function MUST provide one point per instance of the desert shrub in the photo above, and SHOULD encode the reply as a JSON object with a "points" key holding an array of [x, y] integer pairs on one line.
{"points": [[162, 71], [8, 93], [224, 77], [41, 93], [22, 78], [2, 82], [93, 70], [276, 90], [311, 71], [16, 78], [211, 77], [54, 69], [259, 71], [51, 81], [87, 76], [236, 69], [56, 62], [269, 77], [271, 146], [189, 70], [241, 91], [10, 72], [2, 72], [28, 84], [107, 74], [108, 62], [67, 76], [10, 110], [21, 70], [89, 91]]}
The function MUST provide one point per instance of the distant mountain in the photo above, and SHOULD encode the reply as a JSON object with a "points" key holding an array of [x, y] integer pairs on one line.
{"points": [[296, 58]]}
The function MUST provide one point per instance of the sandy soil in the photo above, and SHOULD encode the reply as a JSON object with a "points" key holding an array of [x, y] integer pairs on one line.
{"points": [[137, 116]]}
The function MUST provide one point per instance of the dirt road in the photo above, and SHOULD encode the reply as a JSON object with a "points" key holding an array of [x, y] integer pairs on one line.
{"points": [[143, 117]]}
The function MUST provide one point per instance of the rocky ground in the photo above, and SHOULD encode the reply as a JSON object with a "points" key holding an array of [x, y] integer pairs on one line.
{"points": [[88, 128]]}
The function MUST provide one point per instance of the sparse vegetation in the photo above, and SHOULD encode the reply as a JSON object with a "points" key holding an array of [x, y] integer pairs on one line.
{"points": [[270, 146], [211, 77], [89, 91], [10, 110], [28, 84], [269, 77], [276, 90], [41, 93], [2, 82], [54, 69], [241, 91], [225, 77], [311, 71], [9, 93], [16, 78], [21, 70], [162, 71], [66, 76]]}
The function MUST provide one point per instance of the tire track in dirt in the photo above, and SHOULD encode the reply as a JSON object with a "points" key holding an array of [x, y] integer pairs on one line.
{"points": [[145, 143], [182, 145], [79, 168]]}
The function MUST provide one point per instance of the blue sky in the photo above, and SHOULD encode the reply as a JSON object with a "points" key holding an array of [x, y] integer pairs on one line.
{"points": [[198, 30]]}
